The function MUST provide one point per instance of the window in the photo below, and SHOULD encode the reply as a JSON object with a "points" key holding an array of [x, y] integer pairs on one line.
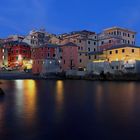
{"points": [[133, 50], [24, 51], [128, 42], [110, 41], [48, 54], [80, 60], [78, 48], [88, 42], [94, 43], [123, 50], [79, 41], [95, 57], [110, 52], [133, 36], [128, 35], [16, 57], [16, 51], [89, 49], [53, 55], [64, 61], [94, 49], [80, 54], [112, 67], [89, 57], [116, 51], [102, 42], [117, 67]]}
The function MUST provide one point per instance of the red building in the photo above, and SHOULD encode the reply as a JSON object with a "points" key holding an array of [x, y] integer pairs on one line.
{"points": [[17, 53], [40, 54]]}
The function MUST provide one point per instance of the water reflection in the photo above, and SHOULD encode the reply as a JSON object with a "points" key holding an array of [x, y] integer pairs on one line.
{"points": [[30, 98], [26, 99], [2, 113], [59, 94], [99, 96]]}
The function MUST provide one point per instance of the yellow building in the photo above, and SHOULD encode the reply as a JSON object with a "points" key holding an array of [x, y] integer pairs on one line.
{"points": [[117, 53], [122, 53]]}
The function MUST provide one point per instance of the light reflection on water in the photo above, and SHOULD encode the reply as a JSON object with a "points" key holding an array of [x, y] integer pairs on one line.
{"points": [[59, 94], [39, 108]]}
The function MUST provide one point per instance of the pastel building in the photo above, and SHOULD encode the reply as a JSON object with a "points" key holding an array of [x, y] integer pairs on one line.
{"points": [[115, 36], [124, 58], [37, 38], [69, 56], [86, 42], [43, 57]]}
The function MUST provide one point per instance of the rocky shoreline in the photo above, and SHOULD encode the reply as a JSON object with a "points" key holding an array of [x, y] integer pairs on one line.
{"points": [[101, 77]]}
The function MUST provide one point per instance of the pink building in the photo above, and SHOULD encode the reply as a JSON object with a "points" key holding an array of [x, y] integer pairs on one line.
{"points": [[40, 54], [69, 56]]}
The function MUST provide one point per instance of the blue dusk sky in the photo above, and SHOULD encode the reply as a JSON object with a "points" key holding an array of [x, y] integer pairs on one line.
{"points": [[59, 16]]}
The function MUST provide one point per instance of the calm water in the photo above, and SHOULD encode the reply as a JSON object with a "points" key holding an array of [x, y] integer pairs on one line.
{"points": [[70, 110]]}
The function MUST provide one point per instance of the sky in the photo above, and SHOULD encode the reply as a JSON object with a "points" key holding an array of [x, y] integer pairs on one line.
{"points": [[60, 16]]}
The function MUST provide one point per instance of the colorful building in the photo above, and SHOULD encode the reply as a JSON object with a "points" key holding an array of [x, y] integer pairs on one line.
{"points": [[41, 55], [18, 52], [124, 58], [115, 36], [69, 56]]}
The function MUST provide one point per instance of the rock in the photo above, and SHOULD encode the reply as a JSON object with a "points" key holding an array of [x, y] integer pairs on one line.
{"points": [[1, 92]]}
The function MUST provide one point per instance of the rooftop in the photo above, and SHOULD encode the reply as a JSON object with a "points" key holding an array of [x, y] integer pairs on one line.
{"points": [[119, 28], [123, 46]]}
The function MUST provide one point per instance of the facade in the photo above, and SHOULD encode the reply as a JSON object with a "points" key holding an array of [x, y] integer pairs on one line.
{"points": [[3, 57], [69, 57], [41, 56], [86, 42], [17, 53], [37, 38], [115, 36], [124, 58]]}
